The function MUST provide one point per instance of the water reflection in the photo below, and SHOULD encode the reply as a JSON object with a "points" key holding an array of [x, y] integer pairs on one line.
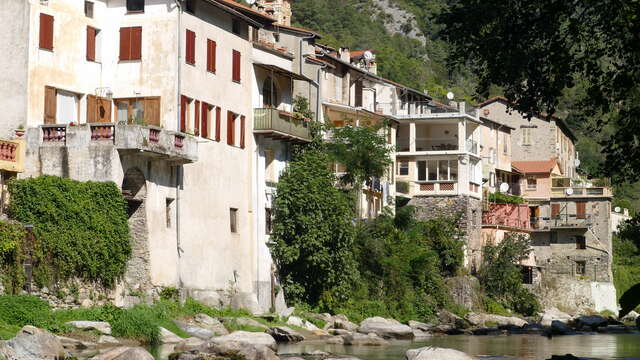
{"points": [[525, 347]]}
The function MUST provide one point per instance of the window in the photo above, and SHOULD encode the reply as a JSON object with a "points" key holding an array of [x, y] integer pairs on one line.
{"points": [[50, 103], [130, 43], [526, 136], [218, 122], [191, 6], [437, 170], [555, 211], [532, 183], [231, 126], [505, 143], [422, 170], [403, 168], [235, 26], [205, 120], [270, 94], [432, 170], [190, 48], [581, 242], [233, 220], [185, 113], [235, 129], [88, 9], [135, 5], [581, 268], [168, 211], [46, 32], [581, 209], [98, 109], [93, 44], [268, 221], [67, 107], [527, 274], [236, 66], [492, 179], [142, 110], [211, 55], [196, 118]]}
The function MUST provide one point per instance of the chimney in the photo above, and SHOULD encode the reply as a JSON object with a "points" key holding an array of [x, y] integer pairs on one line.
{"points": [[277, 9]]}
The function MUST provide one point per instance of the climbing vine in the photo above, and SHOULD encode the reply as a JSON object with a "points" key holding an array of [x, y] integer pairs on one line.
{"points": [[80, 230]]}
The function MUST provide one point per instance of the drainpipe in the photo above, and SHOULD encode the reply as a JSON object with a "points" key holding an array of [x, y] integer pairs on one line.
{"points": [[179, 69], [300, 55], [318, 85], [179, 167]]}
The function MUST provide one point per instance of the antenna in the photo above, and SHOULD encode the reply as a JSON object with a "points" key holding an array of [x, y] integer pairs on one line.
{"points": [[450, 95], [504, 187]]}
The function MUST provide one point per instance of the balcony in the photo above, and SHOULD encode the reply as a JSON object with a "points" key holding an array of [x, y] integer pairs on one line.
{"points": [[280, 125], [12, 155], [580, 192], [561, 221], [507, 215], [433, 188], [143, 140], [423, 109]]}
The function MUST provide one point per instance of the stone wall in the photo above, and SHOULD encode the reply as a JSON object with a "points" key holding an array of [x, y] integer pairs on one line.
{"points": [[575, 295], [466, 209]]}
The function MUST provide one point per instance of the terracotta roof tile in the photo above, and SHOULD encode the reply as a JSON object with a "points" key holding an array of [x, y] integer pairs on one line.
{"points": [[535, 167]]}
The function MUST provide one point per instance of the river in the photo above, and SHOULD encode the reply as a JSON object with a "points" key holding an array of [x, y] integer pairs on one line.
{"points": [[525, 347]]}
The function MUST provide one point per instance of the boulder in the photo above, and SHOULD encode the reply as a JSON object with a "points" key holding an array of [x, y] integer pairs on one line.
{"points": [[207, 322], [210, 298], [434, 353], [560, 328], [108, 341], [167, 337], [75, 344], [553, 314], [245, 337], [101, 326], [189, 344], [364, 340], [448, 318], [591, 322], [244, 322], [239, 350], [32, 343], [480, 319], [338, 340], [342, 322], [287, 312], [386, 328], [194, 330], [125, 353], [630, 317], [301, 323], [7, 352], [416, 325], [419, 335], [246, 301], [285, 334]]}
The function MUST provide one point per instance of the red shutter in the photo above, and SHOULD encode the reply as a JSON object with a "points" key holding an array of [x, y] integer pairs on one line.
{"points": [[190, 51], [183, 113], [555, 211], [91, 44], [196, 118], [211, 55], [242, 131], [236, 65], [230, 134], [204, 125], [218, 122], [125, 43], [136, 43], [46, 32], [581, 209]]}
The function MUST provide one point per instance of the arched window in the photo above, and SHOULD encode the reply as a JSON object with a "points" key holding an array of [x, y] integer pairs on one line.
{"points": [[270, 93]]}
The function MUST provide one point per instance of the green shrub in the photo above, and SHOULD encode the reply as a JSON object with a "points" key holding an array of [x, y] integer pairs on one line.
{"points": [[11, 256], [169, 293], [493, 307], [21, 310], [500, 198]]}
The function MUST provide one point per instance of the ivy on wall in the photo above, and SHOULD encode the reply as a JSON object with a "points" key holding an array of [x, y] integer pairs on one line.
{"points": [[80, 230]]}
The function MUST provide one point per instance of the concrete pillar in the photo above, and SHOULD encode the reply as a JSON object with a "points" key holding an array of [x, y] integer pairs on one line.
{"points": [[412, 136], [462, 135], [463, 174]]}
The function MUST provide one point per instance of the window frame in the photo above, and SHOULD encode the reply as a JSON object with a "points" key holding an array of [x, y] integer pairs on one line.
{"points": [[534, 186], [581, 268], [190, 47], [46, 39], [233, 220], [403, 166], [129, 101], [135, 11], [581, 242], [236, 72], [129, 56], [88, 9]]}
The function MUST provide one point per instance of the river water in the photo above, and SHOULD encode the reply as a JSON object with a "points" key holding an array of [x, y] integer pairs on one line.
{"points": [[525, 347]]}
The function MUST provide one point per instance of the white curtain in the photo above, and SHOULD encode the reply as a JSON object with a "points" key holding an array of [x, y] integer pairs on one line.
{"points": [[66, 108]]}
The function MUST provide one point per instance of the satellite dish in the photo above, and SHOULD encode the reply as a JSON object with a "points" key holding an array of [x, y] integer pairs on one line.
{"points": [[504, 187], [569, 191], [368, 55], [251, 2], [617, 209], [450, 95], [577, 162]]}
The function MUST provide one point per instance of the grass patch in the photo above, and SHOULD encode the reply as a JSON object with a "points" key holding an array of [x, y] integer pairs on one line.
{"points": [[233, 325], [8, 331], [493, 307]]}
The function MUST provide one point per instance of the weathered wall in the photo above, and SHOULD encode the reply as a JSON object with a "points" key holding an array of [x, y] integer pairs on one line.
{"points": [[576, 296]]}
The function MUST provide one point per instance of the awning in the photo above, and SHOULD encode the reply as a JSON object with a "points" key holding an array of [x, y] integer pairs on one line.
{"points": [[284, 72]]}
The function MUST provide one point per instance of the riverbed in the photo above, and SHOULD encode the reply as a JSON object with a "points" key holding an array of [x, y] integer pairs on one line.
{"points": [[524, 347]]}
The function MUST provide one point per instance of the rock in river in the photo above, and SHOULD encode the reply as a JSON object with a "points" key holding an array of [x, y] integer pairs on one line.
{"points": [[434, 353], [386, 328]]}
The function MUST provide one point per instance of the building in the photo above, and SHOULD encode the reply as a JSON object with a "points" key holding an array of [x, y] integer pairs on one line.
{"points": [[495, 150]]}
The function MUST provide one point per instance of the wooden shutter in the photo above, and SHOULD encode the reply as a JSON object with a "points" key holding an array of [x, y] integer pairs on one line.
{"points": [[184, 102], [92, 109], [242, 120], [91, 44], [46, 32], [230, 130], [125, 43], [581, 209], [204, 124], [136, 43], [236, 65], [152, 111], [190, 51], [104, 110], [49, 105], [218, 122], [196, 118], [555, 211], [211, 55]]}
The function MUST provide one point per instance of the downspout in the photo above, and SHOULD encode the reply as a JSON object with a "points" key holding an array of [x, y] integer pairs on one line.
{"points": [[300, 54], [179, 169]]}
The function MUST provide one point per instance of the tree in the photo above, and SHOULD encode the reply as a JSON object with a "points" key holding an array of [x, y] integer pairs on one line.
{"points": [[538, 49], [313, 235]]}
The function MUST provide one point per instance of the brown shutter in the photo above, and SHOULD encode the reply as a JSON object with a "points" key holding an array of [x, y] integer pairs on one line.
{"points": [[555, 211], [218, 122], [230, 140], [196, 118], [136, 43], [183, 113], [152, 111], [104, 110], [91, 44], [49, 105], [211, 55], [125, 43], [191, 47], [92, 105], [236, 66], [204, 125], [581, 209], [242, 120], [46, 32]]}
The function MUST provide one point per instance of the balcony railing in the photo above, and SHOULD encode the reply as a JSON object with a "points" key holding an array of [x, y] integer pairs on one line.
{"points": [[472, 146], [511, 215], [430, 144], [278, 123], [54, 133], [103, 132], [580, 191], [435, 188], [12, 155], [561, 221]]}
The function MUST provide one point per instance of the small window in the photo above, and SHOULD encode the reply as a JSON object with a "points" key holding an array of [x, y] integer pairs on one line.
{"points": [[141, 111], [581, 268], [135, 5], [190, 47], [268, 219], [191, 6], [526, 136], [94, 37], [581, 243], [235, 26], [422, 170], [403, 168], [236, 72], [233, 220], [505, 143], [211, 55], [532, 183], [169, 211], [46, 32], [88, 9], [130, 43], [527, 274]]}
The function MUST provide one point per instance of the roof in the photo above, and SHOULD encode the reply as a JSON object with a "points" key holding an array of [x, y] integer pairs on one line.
{"points": [[245, 10], [535, 167], [360, 53], [298, 30], [283, 72], [484, 119], [318, 61], [542, 116]]}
